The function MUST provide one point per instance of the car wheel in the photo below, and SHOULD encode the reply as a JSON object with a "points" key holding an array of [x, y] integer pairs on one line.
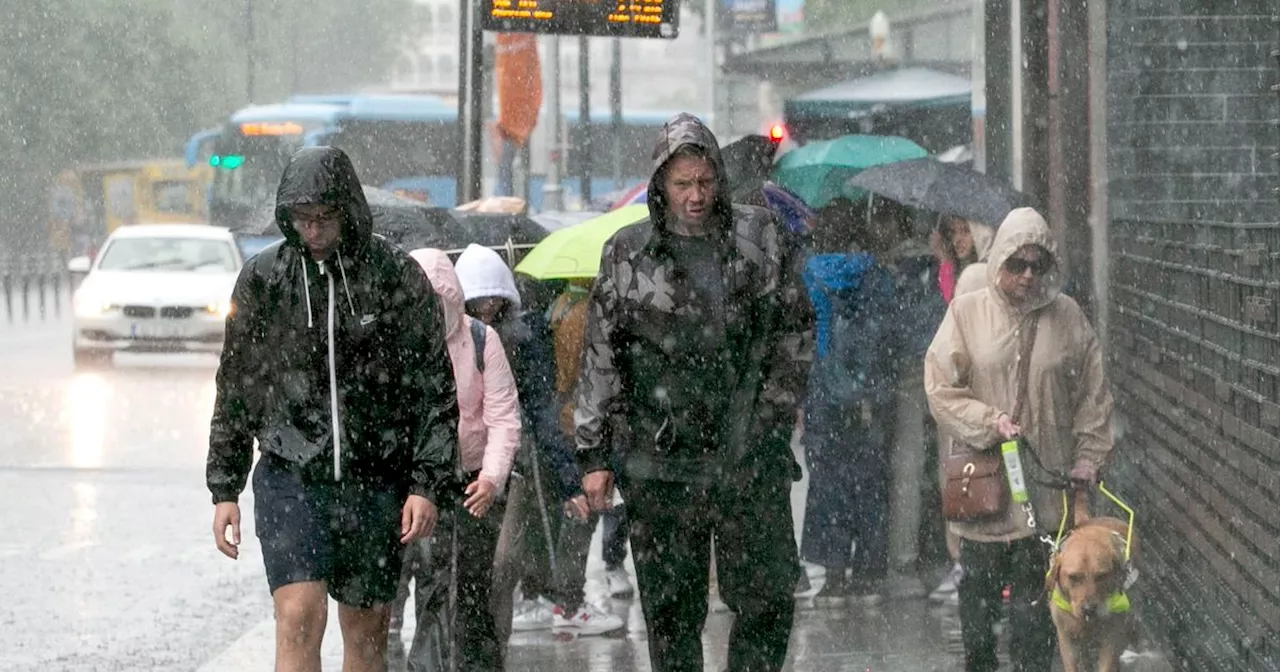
{"points": [[91, 359]]}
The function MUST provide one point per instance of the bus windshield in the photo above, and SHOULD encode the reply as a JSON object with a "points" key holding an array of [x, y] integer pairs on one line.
{"points": [[247, 171], [414, 156]]}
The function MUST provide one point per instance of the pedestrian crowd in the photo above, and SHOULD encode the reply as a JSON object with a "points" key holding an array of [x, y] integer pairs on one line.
{"points": [[439, 427]]}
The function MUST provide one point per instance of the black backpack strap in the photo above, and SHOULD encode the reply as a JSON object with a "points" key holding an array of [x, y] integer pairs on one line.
{"points": [[478, 330]]}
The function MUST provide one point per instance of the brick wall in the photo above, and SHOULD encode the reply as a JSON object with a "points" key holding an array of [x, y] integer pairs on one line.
{"points": [[1195, 287]]}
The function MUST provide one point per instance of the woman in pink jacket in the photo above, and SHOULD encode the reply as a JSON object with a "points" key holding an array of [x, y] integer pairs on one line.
{"points": [[488, 435]]}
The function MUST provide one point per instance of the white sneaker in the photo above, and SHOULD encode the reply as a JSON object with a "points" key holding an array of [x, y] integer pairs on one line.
{"points": [[949, 586], [587, 620], [530, 615], [619, 583]]}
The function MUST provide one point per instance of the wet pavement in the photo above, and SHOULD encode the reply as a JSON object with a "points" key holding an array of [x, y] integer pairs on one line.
{"points": [[107, 561]]}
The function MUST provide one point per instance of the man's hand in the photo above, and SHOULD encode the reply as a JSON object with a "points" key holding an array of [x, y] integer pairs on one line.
{"points": [[599, 488], [1006, 427], [479, 497], [227, 514], [1084, 473], [576, 508], [418, 519]]}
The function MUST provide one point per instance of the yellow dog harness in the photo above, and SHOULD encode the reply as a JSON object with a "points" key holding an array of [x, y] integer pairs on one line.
{"points": [[1117, 602]]}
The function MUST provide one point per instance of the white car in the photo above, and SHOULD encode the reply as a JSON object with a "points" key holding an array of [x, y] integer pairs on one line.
{"points": [[155, 288]]}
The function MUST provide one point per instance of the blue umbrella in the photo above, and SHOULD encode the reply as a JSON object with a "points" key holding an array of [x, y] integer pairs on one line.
{"points": [[795, 214]]}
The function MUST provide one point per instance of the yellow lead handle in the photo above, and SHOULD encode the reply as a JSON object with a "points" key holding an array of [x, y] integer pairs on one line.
{"points": [[1128, 539]]}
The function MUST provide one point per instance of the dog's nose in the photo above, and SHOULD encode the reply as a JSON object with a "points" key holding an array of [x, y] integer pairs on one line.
{"points": [[1089, 610]]}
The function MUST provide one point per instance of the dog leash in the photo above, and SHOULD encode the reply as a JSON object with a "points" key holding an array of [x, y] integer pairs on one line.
{"points": [[1117, 602]]}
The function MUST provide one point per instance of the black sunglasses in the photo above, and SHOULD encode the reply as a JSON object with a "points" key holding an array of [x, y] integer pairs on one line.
{"points": [[1018, 266]]}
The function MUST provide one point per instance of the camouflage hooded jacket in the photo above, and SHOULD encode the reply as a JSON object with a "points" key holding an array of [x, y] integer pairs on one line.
{"points": [[653, 396]]}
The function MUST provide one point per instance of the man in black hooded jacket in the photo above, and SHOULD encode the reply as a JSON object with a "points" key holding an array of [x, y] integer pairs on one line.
{"points": [[335, 363], [696, 354]]}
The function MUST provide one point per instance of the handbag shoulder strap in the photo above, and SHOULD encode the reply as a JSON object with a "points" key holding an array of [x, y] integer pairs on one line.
{"points": [[1024, 368]]}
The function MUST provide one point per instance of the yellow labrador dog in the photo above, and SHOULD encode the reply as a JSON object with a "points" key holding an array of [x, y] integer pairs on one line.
{"points": [[1086, 586]]}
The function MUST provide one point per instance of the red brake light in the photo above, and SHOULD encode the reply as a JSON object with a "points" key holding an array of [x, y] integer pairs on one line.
{"points": [[777, 132]]}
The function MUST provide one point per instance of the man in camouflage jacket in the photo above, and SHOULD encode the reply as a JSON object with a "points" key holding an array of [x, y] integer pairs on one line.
{"points": [[696, 354]]}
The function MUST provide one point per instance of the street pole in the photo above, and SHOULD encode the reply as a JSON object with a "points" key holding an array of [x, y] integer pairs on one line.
{"points": [[712, 7], [615, 109], [552, 190], [248, 50], [470, 88], [584, 118]]}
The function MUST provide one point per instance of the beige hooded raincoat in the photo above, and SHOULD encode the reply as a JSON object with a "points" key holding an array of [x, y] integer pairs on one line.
{"points": [[971, 370]]}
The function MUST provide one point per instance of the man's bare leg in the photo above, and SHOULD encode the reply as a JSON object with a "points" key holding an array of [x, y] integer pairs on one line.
{"points": [[301, 612], [364, 637]]}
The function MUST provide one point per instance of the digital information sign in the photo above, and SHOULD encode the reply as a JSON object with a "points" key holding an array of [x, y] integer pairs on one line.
{"points": [[605, 18]]}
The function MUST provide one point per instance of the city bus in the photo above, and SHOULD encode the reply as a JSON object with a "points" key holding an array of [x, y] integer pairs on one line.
{"points": [[407, 143], [404, 142]]}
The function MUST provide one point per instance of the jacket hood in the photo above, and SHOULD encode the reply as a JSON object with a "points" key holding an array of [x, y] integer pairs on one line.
{"points": [[1025, 226], [445, 281], [828, 275], [686, 130], [482, 273], [324, 175], [983, 236]]}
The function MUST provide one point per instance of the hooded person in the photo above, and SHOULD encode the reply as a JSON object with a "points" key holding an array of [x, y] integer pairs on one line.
{"points": [[334, 362], [973, 382], [548, 530], [488, 436], [849, 416], [698, 341], [960, 244]]}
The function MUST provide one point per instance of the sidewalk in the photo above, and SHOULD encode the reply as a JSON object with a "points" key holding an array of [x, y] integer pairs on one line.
{"points": [[897, 636]]}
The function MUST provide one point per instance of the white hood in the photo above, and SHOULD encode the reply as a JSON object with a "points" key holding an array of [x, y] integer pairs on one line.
{"points": [[483, 273]]}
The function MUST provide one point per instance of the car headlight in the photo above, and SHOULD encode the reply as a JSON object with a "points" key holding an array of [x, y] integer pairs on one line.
{"points": [[220, 308], [92, 306]]}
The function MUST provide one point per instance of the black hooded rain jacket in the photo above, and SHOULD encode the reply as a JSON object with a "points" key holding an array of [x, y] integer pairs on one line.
{"points": [[353, 344]]}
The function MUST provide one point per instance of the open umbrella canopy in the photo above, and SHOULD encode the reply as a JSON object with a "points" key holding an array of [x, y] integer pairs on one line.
{"points": [[413, 225], [408, 223], [794, 213], [574, 252], [820, 171], [943, 187]]}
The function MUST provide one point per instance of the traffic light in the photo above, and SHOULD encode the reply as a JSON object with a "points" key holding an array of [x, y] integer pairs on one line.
{"points": [[777, 133], [228, 162]]}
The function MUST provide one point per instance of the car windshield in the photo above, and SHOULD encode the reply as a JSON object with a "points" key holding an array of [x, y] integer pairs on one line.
{"points": [[169, 254]]}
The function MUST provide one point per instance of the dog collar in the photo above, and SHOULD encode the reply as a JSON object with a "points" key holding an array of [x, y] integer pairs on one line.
{"points": [[1117, 603]]}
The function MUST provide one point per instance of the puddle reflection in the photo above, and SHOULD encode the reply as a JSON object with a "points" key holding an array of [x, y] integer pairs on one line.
{"points": [[86, 405]]}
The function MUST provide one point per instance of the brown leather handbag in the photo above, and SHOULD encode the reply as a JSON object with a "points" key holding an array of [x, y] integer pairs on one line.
{"points": [[976, 487]]}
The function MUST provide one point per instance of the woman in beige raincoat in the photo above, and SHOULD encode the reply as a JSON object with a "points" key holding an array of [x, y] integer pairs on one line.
{"points": [[971, 372]]}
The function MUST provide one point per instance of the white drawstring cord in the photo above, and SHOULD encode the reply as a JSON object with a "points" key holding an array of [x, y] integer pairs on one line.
{"points": [[343, 269], [306, 287]]}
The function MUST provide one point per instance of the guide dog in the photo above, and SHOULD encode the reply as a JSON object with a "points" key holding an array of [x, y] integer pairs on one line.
{"points": [[1086, 585]]}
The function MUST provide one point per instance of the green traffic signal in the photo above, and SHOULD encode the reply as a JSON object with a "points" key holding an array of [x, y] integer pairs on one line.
{"points": [[228, 162]]}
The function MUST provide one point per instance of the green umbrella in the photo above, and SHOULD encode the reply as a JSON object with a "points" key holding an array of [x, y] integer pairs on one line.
{"points": [[820, 171], [574, 252]]}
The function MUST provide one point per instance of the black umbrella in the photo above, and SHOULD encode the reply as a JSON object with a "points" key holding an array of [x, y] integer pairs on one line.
{"points": [[747, 162], [511, 235], [942, 187], [412, 224]]}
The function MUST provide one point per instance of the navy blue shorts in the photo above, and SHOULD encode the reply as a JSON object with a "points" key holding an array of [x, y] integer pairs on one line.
{"points": [[346, 534]]}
